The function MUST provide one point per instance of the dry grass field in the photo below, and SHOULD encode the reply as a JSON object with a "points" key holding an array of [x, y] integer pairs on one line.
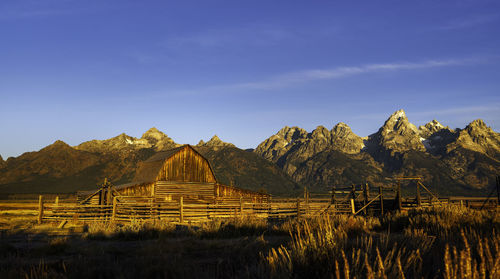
{"points": [[445, 242]]}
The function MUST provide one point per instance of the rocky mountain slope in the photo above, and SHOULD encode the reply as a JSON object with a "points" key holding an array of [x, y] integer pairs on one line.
{"points": [[215, 142], [233, 166], [153, 139], [60, 168], [452, 161]]}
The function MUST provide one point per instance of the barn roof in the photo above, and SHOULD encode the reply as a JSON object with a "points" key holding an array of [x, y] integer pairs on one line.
{"points": [[149, 169], [164, 155]]}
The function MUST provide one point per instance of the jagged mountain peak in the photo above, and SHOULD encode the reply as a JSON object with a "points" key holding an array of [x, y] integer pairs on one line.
{"points": [[57, 144], [215, 141], [398, 114], [434, 123], [118, 143], [278, 144], [60, 142], [345, 140], [121, 139], [477, 128], [431, 128], [153, 130], [341, 125], [477, 124], [398, 122], [341, 129], [398, 135], [477, 136], [320, 132], [154, 133], [291, 133], [158, 139], [152, 138]]}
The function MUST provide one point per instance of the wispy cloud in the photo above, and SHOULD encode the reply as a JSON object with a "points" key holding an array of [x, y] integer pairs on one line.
{"points": [[289, 79], [28, 14], [34, 9], [469, 22], [253, 35]]}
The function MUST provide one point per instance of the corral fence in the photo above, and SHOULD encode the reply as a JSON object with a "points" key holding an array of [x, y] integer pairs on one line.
{"points": [[354, 199]]}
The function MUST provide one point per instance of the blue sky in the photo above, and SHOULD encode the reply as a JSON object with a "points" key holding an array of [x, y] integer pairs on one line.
{"points": [[82, 70]]}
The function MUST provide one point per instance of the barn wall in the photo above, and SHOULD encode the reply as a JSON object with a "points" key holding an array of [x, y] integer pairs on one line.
{"points": [[186, 165], [169, 190], [138, 190], [224, 191]]}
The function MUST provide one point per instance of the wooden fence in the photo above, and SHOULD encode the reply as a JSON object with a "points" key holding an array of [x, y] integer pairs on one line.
{"points": [[127, 209], [360, 199]]}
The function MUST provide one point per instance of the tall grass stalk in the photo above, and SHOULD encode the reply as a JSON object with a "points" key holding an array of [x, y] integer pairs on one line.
{"points": [[444, 242]]}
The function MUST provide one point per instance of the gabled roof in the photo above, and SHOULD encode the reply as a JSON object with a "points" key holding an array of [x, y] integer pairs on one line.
{"points": [[149, 169], [164, 155]]}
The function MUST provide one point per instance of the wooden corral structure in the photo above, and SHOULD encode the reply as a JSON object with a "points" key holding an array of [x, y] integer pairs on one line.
{"points": [[170, 175], [155, 197]]}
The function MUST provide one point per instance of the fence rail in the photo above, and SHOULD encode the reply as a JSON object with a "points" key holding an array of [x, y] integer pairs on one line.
{"points": [[354, 199], [126, 209]]}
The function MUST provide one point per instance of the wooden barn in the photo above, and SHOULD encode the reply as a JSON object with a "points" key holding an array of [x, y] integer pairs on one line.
{"points": [[168, 175]]}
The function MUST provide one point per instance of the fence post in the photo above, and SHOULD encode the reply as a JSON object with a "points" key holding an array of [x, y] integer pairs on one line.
{"points": [[158, 211], [399, 202], [366, 192], [419, 201], [208, 211], [109, 196], [498, 189], [353, 209], [241, 207], [40, 209], [298, 208], [306, 199], [334, 188], [113, 216], [57, 201], [181, 210], [381, 200], [269, 206]]}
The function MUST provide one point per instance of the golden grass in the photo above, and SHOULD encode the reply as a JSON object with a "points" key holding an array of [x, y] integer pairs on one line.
{"points": [[449, 242], [442, 242]]}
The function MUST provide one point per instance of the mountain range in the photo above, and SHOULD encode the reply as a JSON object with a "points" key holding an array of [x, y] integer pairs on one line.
{"points": [[460, 161], [451, 161], [60, 168]]}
